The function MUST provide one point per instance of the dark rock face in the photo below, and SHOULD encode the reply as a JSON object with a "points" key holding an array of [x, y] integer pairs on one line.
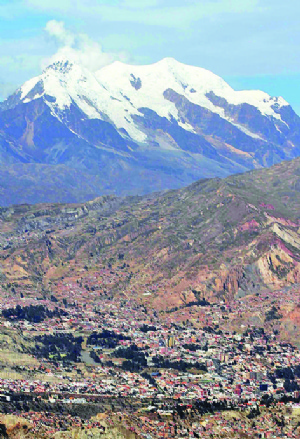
{"points": [[135, 82], [270, 129], [186, 140], [212, 124]]}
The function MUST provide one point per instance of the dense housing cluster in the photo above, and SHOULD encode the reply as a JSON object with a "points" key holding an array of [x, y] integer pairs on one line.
{"points": [[161, 375]]}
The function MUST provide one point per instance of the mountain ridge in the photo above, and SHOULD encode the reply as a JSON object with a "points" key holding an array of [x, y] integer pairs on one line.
{"points": [[227, 240], [138, 129], [222, 237]]}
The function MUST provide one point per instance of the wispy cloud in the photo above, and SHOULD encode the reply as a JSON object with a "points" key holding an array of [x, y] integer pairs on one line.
{"points": [[57, 30], [78, 48]]}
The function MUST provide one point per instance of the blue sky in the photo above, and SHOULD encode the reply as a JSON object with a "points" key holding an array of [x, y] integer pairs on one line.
{"points": [[250, 43]]}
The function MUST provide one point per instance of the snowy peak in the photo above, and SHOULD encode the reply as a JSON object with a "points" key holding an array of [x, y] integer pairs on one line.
{"points": [[133, 129], [119, 90], [156, 78], [61, 80], [61, 71], [119, 93], [151, 81], [143, 85], [65, 83], [63, 66]]}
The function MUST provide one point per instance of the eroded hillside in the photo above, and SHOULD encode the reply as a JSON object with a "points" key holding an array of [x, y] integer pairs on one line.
{"points": [[216, 238]]}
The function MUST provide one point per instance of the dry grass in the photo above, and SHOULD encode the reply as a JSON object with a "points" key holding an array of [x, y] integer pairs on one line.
{"points": [[10, 358]]}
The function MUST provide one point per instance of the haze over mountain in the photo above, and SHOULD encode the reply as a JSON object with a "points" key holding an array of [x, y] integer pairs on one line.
{"points": [[71, 135]]}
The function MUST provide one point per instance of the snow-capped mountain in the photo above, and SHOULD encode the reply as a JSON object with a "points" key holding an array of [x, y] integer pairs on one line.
{"points": [[145, 86], [134, 129]]}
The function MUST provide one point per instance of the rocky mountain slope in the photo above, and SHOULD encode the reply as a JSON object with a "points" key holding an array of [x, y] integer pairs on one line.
{"points": [[218, 239], [71, 135]]}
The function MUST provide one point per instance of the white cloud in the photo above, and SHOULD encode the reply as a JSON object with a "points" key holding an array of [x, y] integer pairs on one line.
{"points": [[57, 30], [79, 48]]}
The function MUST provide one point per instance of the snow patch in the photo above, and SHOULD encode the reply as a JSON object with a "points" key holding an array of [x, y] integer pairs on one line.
{"points": [[186, 126], [246, 131], [28, 86]]}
